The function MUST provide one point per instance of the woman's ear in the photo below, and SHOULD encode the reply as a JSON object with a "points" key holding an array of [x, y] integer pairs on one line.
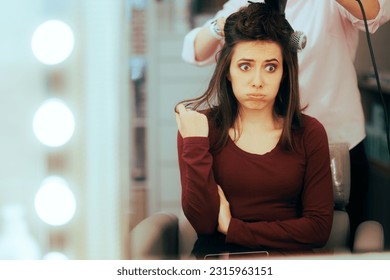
{"points": [[228, 77]]}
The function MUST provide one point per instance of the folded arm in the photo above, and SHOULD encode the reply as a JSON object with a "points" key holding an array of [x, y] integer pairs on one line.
{"points": [[311, 228]]}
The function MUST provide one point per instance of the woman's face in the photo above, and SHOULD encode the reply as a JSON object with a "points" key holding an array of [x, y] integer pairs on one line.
{"points": [[256, 70]]}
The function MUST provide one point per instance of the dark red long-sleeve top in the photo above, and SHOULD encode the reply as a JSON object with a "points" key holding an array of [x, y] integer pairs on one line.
{"points": [[281, 200]]}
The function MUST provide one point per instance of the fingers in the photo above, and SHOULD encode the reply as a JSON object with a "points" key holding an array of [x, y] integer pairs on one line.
{"points": [[180, 108], [220, 191], [221, 194], [177, 119], [224, 215], [191, 123]]}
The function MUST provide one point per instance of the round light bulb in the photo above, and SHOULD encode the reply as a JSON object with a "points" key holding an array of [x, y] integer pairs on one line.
{"points": [[54, 202], [53, 123], [52, 42]]}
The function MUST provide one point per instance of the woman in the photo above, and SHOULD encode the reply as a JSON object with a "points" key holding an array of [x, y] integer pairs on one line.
{"points": [[255, 171], [332, 28]]}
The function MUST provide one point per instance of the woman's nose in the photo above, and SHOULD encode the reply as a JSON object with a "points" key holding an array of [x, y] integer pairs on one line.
{"points": [[257, 80]]}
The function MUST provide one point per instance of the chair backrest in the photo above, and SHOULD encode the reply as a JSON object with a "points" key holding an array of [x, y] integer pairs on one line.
{"points": [[155, 237], [338, 240], [341, 176], [187, 237]]}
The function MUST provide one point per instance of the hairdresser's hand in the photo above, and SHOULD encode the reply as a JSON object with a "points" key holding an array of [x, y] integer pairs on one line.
{"points": [[191, 123], [221, 24], [224, 216]]}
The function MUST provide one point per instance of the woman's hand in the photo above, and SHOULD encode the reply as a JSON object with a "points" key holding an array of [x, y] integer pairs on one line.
{"points": [[224, 216], [191, 123]]}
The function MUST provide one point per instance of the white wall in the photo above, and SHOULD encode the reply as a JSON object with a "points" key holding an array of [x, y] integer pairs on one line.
{"points": [[22, 87]]}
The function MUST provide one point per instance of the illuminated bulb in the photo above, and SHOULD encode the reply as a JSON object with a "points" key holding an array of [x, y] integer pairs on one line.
{"points": [[53, 123], [52, 42], [54, 202]]}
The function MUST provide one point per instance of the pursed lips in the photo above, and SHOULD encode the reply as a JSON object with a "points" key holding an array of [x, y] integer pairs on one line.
{"points": [[255, 96]]}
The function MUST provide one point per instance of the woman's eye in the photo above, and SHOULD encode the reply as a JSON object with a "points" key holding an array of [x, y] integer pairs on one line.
{"points": [[244, 67], [270, 68]]}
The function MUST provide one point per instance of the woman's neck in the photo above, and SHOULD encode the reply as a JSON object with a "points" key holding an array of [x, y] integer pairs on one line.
{"points": [[258, 120], [256, 132]]}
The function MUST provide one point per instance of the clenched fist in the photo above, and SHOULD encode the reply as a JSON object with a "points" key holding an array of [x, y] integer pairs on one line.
{"points": [[191, 123]]}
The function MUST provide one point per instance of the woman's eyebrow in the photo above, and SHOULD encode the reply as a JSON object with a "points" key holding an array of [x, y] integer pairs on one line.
{"points": [[251, 60], [272, 60]]}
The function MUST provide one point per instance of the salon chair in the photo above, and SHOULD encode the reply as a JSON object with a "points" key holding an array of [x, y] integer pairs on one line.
{"points": [[168, 236]]}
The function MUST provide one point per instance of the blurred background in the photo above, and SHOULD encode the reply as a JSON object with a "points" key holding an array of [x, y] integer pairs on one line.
{"points": [[88, 135]]}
